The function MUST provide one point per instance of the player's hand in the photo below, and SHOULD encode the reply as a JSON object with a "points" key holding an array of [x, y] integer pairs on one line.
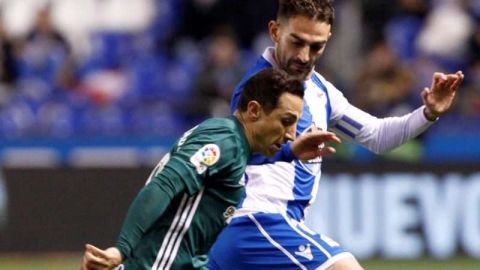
{"points": [[311, 145], [438, 99], [98, 259]]}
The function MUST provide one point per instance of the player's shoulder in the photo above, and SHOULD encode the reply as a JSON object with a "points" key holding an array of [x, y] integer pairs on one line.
{"points": [[321, 82], [218, 127], [224, 132], [220, 123]]}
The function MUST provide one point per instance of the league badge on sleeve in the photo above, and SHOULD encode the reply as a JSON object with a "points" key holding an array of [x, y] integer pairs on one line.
{"points": [[205, 157]]}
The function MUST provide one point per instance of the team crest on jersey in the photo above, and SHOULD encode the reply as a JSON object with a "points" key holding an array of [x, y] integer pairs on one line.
{"points": [[205, 157], [228, 214]]}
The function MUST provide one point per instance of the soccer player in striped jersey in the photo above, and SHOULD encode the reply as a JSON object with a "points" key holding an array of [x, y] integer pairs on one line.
{"points": [[267, 230], [176, 217]]}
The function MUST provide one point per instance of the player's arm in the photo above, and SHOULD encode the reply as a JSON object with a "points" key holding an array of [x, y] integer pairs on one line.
{"points": [[383, 134], [150, 204], [380, 135], [306, 147]]}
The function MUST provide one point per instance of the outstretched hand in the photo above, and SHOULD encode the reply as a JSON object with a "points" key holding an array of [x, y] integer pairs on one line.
{"points": [[438, 99], [98, 259], [311, 145]]}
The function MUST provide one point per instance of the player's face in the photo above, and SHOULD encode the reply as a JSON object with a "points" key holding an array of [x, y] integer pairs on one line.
{"points": [[299, 42], [278, 126]]}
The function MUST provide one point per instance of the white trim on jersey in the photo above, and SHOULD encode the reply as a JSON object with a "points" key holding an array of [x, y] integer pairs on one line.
{"points": [[273, 242], [310, 239], [178, 228]]}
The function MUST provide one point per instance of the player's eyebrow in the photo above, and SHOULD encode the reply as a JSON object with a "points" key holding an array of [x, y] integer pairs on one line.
{"points": [[317, 43], [291, 117]]}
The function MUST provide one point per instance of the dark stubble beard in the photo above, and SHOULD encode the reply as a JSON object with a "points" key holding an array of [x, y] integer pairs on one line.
{"points": [[303, 73]]}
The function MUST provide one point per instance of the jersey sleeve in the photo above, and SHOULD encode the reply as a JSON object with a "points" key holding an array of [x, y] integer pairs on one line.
{"points": [[376, 134], [147, 207]]}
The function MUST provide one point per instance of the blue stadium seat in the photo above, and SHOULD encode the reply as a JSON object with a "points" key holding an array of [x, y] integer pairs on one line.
{"points": [[55, 119], [453, 139]]}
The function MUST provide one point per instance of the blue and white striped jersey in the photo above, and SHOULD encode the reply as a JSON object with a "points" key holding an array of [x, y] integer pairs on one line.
{"points": [[289, 188]]}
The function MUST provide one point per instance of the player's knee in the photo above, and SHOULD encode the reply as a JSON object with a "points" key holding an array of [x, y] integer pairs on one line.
{"points": [[348, 263]]}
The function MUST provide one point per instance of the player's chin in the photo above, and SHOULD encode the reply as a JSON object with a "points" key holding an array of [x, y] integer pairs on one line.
{"points": [[272, 150], [295, 72], [300, 72]]}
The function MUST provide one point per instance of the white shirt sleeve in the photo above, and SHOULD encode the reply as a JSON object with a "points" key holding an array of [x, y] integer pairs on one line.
{"points": [[376, 134]]}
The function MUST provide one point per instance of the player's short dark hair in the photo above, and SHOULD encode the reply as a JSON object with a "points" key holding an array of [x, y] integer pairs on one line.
{"points": [[267, 86], [320, 10]]}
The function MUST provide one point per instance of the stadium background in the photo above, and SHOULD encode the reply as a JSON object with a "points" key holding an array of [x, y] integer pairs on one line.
{"points": [[93, 92]]}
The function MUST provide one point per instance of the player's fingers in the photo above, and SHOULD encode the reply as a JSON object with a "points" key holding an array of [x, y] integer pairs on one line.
{"points": [[91, 248], [455, 76], [97, 251], [438, 77], [331, 137], [458, 81], [92, 265], [441, 84], [460, 74], [335, 139], [92, 260], [326, 136], [325, 151], [449, 84], [424, 94]]}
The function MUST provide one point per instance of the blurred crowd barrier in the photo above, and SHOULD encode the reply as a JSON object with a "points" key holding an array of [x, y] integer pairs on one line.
{"points": [[400, 211], [392, 211], [80, 78]]}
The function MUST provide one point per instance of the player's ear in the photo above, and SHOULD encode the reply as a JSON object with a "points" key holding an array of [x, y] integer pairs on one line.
{"points": [[273, 29], [254, 110]]}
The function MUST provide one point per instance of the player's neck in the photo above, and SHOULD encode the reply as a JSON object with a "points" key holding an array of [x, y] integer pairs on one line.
{"points": [[246, 130]]}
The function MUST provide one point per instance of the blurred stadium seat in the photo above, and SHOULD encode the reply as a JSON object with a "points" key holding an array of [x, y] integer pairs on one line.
{"points": [[132, 76]]}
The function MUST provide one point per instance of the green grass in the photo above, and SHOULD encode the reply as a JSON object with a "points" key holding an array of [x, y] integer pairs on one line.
{"points": [[67, 261], [458, 263], [51, 261]]}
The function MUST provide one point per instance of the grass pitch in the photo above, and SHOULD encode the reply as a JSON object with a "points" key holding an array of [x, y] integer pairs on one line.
{"points": [[67, 261]]}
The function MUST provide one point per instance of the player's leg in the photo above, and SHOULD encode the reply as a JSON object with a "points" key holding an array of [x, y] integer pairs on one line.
{"points": [[347, 263]]}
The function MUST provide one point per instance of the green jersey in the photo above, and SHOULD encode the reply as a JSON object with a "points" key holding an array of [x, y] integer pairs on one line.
{"points": [[176, 217]]}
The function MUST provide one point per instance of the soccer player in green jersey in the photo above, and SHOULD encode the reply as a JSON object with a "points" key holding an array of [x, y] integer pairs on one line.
{"points": [[188, 198]]}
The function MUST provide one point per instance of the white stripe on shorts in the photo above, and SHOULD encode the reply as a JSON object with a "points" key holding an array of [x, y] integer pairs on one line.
{"points": [[311, 240], [273, 242]]}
